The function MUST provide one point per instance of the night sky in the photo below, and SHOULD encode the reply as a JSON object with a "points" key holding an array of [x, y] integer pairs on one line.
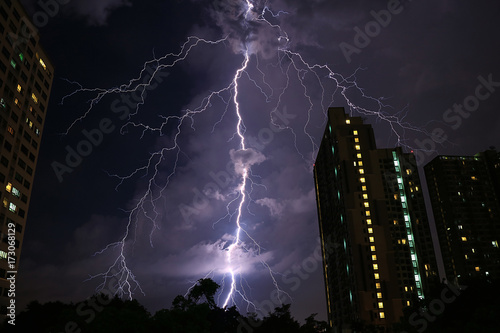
{"points": [[420, 59]]}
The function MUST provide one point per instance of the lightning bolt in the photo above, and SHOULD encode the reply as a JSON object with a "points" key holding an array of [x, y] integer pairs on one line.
{"points": [[313, 78]]}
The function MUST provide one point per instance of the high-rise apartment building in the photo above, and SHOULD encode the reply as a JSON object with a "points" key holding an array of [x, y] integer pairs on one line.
{"points": [[378, 255], [25, 83], [464, 192]]}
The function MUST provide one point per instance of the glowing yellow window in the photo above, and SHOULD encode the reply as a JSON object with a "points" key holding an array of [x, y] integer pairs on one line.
{"points": [[366, 204], [374, 257], [403, 241], [395, 197], [360, 163], [43, 64], [395, 222], [477, 268], [382, 315], [375, 266], [358, 155], [34, 98], [363, 188], [367, 213], [347, 121], [416, 188], [8, 187], [406, 288], [16, 101], [466, 257], [370, 230], [372, 239], [365, 196], [377, 285], [407, 303], [361, 171], [19, 88], [464, 239], [355, 132], [379, 295], [372, 248], [358, 147], [368, 221], [356, 139], [362, 179], [377, 276], [380, 305], [354, 163]]}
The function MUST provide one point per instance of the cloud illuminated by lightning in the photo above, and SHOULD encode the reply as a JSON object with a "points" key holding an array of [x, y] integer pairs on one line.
{"points": [[319, 84]]}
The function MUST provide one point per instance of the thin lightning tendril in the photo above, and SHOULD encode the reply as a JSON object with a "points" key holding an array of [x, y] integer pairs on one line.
{"points": [[293, 66]]}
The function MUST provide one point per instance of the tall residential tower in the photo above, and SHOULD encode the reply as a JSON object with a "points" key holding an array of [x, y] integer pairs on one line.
{"points": [[464, 192], [378, 253], [25, 83]]}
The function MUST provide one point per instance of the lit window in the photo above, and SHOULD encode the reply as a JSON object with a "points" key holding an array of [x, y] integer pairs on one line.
{"points": [[8, 187], [473, 178], [408, 303], [34, 98], [473, 251], [382, 315], [360, 163], [10, 130], [356, 139], [363, 188], [403, 241], [395, 222], [365, 196], [466, 257], [374, 257], [12, 207], [16, 192], [358, 147], [375, 266], [367, 213], [19, 88], [366, 204], [3, 255], [13, 64], [380, 305], [494, 243], [395, 197], [21, 56], [361, 171], [464, 239], [355, 132], [477, 268], [372, 248], [377, 276], [416, 188], [362, 179], [368, 221], [354, 163], [370, 230], [377, 285], [379, 295], [358, 155], [347, 121], [460, 226], [43, 64], [406, 288], [5, 202], [16, 101], [372, 239], [408, 171]]}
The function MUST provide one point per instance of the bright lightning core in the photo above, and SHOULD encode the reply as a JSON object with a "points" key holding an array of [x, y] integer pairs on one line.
{"points": [[265, 47]]}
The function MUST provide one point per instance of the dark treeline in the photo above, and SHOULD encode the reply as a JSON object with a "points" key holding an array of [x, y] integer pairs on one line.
{"points": [[196, 313]]}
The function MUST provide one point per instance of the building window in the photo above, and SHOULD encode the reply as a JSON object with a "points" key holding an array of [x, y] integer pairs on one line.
{"points": [[477, 268], [374, 257], [34, 98], [375, 266], [361, 171], [372, 248], [366, 204], [355, 132], [12, 207], [358, 156], [357, 147], [370, 230], [365, 196], [347, 121], [360, 163], [372, 239], [377, 276], [379, 295], [382, 315], [368, 221], [362, 179], [377, 285], [356, 139], [464, 239], [363, 188], [367, 213], [380, 305]]}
